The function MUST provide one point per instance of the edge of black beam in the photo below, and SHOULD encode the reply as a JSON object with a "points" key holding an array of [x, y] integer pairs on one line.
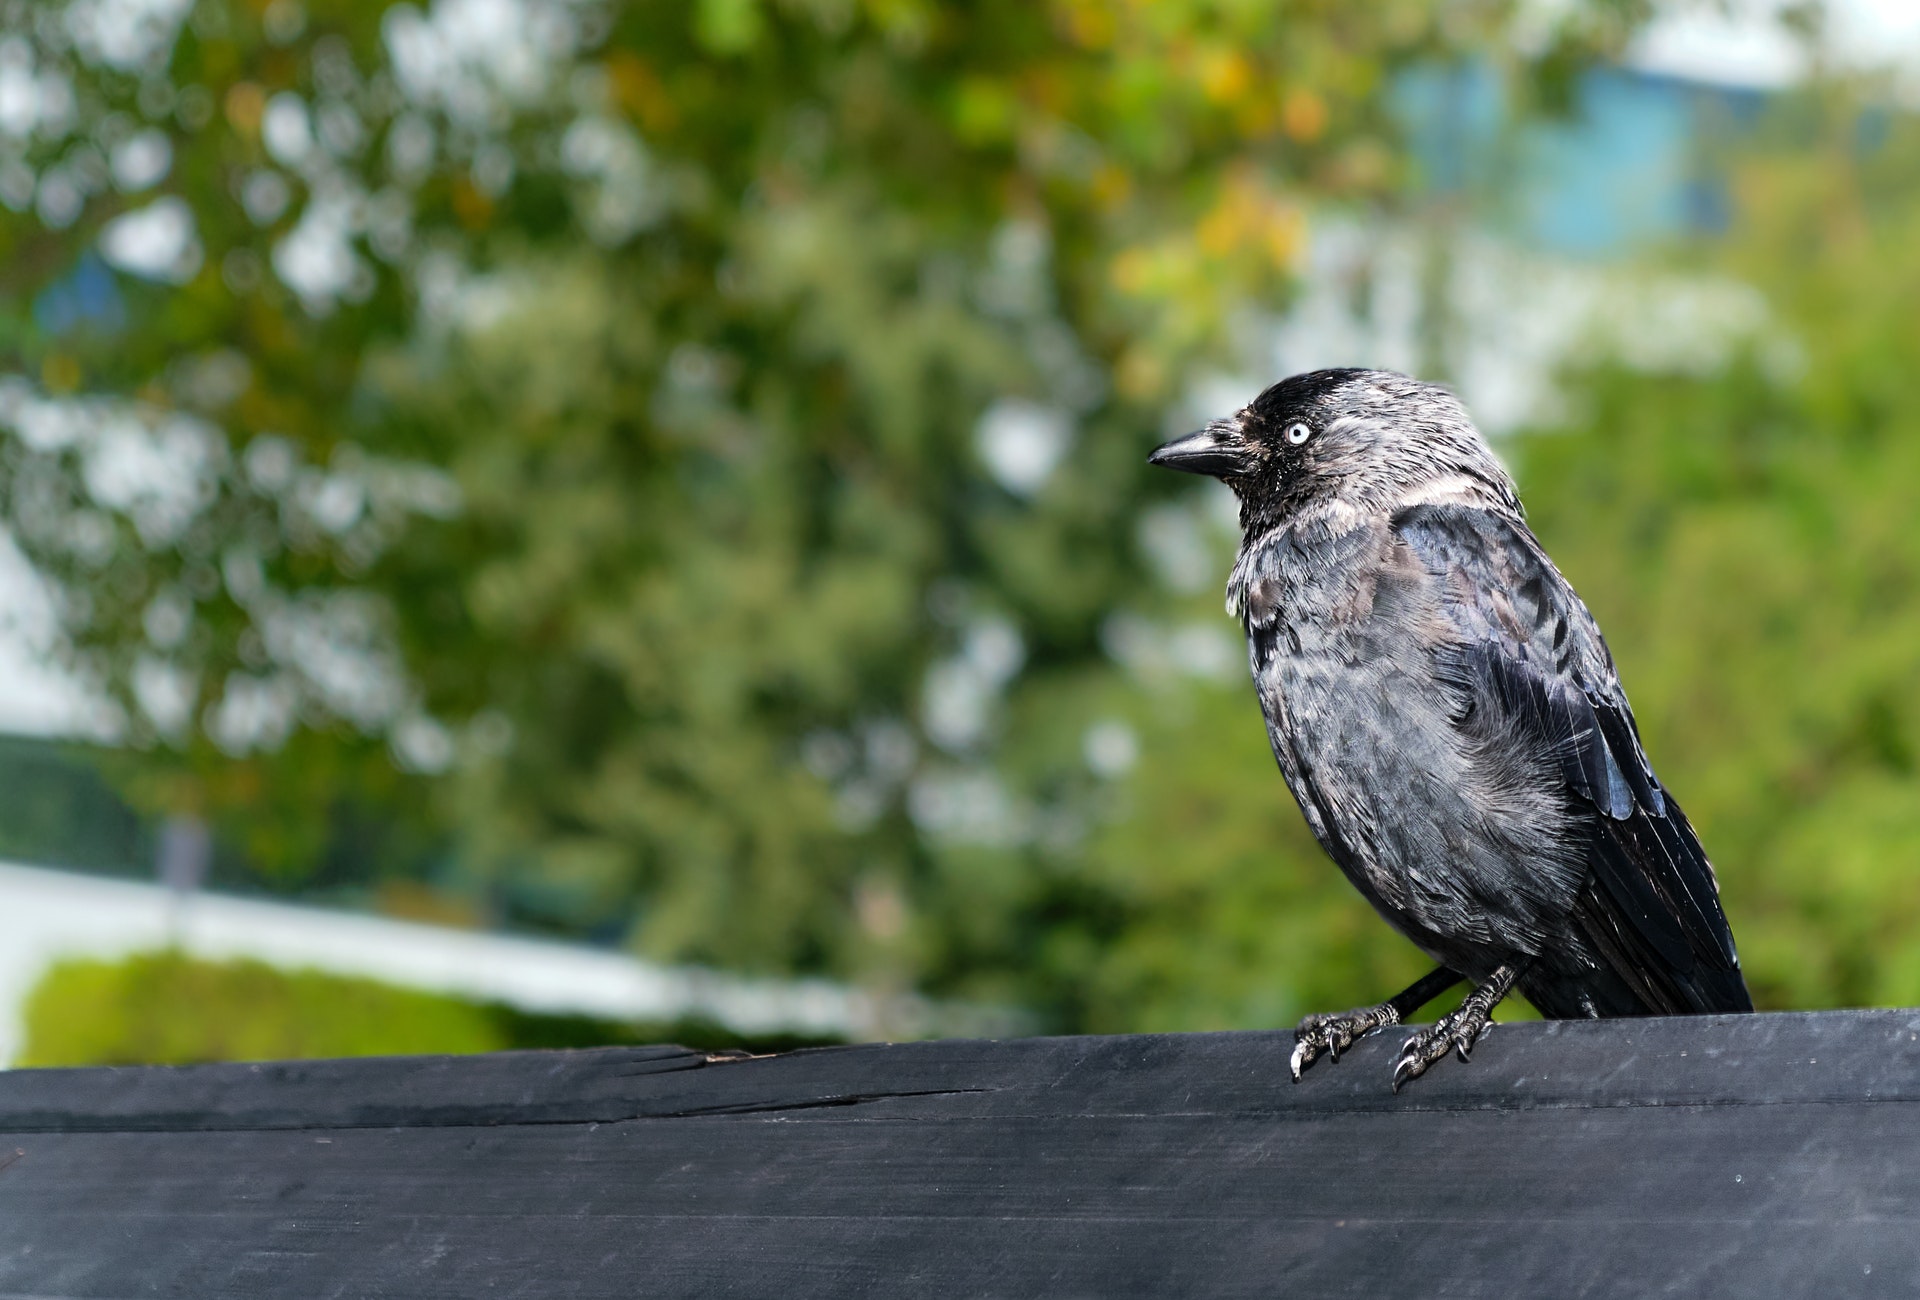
{"points": [[1799, 1057]]}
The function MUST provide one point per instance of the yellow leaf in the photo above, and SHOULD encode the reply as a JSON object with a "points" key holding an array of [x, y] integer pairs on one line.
{"points": [[1225, 75], [246, 105], [1303, 115]]}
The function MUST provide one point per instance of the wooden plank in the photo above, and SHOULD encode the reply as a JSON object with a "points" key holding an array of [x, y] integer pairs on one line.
{"points": [[1739, 1156]]}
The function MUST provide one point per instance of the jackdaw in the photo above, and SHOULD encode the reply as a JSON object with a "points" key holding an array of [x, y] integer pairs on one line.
{"points": [[1448, 717]]}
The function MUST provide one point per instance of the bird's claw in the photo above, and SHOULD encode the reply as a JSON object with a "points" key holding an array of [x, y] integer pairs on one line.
{"points": [[1300, 1059], [1334, 1034], [1455, 1032]]}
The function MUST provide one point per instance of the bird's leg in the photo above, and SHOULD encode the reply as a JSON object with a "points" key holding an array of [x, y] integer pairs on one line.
{"points": [[1457, 1031], [1334, 1034]]}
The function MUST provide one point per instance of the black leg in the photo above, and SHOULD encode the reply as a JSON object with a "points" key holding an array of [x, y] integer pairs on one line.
{"points": [[1457, 1031], [1334, 1034], [1422, 991]]}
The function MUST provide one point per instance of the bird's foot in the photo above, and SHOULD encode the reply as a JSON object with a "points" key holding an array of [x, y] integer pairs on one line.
{"points": [[1334, 1034], [1457, 1031]]}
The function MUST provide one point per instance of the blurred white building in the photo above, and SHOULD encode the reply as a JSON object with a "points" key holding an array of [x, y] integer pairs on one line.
{"points": [[51, 915]]}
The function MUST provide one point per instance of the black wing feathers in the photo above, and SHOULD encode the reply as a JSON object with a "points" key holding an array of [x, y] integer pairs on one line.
{"points": [[1616, 724], [1552, 712], [1529, 650], [1653, 890]]}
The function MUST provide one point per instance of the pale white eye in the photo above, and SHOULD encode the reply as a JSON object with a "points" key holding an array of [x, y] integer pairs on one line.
{"points": [[1298, 433]]}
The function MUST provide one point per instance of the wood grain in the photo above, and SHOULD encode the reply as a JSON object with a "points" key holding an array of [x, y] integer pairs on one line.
{"points": [[1739, 1156]]}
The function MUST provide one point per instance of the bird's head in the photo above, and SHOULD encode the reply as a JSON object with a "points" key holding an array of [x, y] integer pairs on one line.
{"points": [[1368, 440]]}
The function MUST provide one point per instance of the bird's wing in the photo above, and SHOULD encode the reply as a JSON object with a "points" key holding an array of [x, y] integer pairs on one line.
{"points": [[1528, 653]]}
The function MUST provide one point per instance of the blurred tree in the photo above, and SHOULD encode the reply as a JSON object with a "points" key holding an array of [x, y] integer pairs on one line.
{"points": [[689, 456]]}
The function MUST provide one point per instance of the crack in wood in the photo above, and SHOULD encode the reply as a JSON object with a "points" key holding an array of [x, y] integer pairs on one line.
{"points": [[811, 1103]]}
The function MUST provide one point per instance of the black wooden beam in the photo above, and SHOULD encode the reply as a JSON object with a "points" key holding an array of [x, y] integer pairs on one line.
{"points": [[1740, 1156]]}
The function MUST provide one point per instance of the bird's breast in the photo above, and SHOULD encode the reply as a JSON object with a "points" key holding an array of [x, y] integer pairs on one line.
{"points": [[1365, 731]]}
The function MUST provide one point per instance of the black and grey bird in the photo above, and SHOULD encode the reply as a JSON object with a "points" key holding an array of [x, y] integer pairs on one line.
{"points": [[1445, 711]]}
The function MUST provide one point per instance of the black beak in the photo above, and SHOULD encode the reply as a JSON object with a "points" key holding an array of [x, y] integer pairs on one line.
{"points": [[1217, 450]]}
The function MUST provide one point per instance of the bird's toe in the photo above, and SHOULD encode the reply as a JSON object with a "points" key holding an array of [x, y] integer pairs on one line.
{"points": [[1464, 1040], [1456, 1032], [1330, 1035]]}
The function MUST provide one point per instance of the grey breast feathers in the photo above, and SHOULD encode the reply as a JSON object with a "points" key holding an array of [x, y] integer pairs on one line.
{"points": [[1456, 831]]}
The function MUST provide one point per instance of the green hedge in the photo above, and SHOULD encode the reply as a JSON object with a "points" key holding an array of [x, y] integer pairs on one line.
{"points": [[165, 1008]]}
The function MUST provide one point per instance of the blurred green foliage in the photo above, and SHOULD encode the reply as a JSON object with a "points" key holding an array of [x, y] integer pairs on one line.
{"points": [[165, 1008], [597, 491], [59, 810]]}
